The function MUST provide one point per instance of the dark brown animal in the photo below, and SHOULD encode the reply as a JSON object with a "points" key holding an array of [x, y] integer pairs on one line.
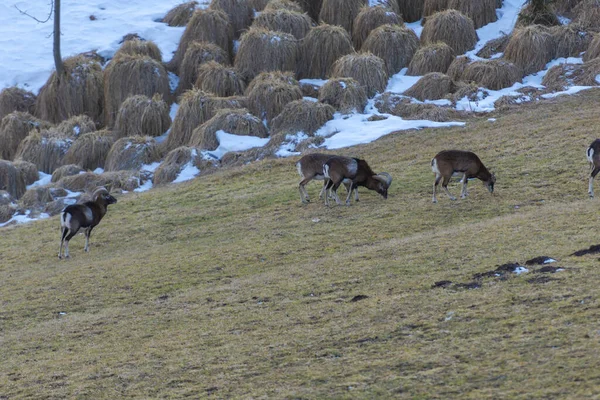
{"points": [[449, 162], [358, 172], [310, 167], [593, 156], [86, 215]]}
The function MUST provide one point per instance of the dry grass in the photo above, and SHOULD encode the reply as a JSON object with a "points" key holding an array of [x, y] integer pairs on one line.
{"points": [[494, 46], [346, 95], [561, 76], [232, 121], [174, 163], [282, 20], [395, 45], [302, 116], [14, 128], [403, 107], [140, 115], [89, 181], [366, 68], [288, 5], [481, 12], [530, 48], [456, 69], [132, 75], [431, 7], [65, 170], [492, 74], [198, 53], [45, 149], [410, 10], [89, 151], [312, 7], [195, 108], [587, 14], [436, 57], [240, 13], [321, 47], [370, 18], [537, 13], [220, 80], [272, 77], [261, 50], [76, 126], [130, 153], [11, 179], [341, 12], [28, 171], [570, 40], [266, 98], [181, 14], [589, 73], [16, 99], [593, 50], [80, 91], [432, 86], [224, 287], [139, 47], [208, 25], [452, 28]]}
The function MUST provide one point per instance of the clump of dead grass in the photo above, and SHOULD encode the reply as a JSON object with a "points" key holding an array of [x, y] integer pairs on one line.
{"points": [[288, 5], [87, 182], [312, 7], [14, 128], [589, 73], [28, 170], [455, 70], [65, 170], [494, 46], [481, 12], [530, 48], [492, 74], [435, 57], [321, 47], [593, 50], [139, 47], [131, 153], [410, 10], [366, 68], [537, 13], [220, 80], [233, 121], [11, 180], [280, 20], [181, 14], [452, 28], [570, 40], [394, 44], [370, 18], [302, 116], [432, 86], [198, 53], [16, 99], [346, 95], [562, 76], [76, 125], [431, 7], [341, 12], [266, 97], [175, 161], [239, 12], [89, 151], [140, 115], [45, 149]]}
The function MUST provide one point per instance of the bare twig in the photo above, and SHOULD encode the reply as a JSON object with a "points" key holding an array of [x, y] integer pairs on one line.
{"points": [[38, 20]]}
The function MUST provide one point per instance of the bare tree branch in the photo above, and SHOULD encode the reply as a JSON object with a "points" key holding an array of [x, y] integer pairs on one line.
{"points": [[34, 18]]}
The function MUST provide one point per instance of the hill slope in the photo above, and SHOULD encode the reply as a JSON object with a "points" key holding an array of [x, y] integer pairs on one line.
{"points": [[228, 286]]}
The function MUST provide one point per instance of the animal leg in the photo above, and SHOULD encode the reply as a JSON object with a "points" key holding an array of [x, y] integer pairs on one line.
{"points": [[349, 193], [303, 193], [445, 186], [87, 234], [65, 230], [328, 187], [593, 174], [464, 193], [435, 185], [324, 188]]}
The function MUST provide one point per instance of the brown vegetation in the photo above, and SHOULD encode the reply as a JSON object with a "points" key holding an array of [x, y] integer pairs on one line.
{"points": [[266, 98], [435, 57], [410, 10], [346, 95], [173, 164], [365, 68], [89, 151], [593, 50], [124, 180], [302, 116], [395, 45], [481, 12], [11, 179], [530, 48], [537, 13], [570, 40], [65, 170], [492, 74], [452, 28], [431, 7], [131, 153], [341, 12], [14, 128], [140, 115], [561, 76], [321, 47], [288, 5], [76, 126], [494, 46], [16, 99], [432, 86], [220, 80], [240, 13], [139, 47], [45, 149], [287, 21], [28, 170], [312, 7], [370, 18], [455, 70], [198, 53], [181, 14]]}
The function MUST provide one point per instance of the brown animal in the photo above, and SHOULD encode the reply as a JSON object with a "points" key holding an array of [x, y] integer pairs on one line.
{"points": [[358, 172], [593, 156], [448, 162], [310, 167], [86, 215]]}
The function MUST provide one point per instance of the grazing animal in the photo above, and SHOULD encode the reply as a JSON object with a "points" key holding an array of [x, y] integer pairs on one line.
{"points": [[358, 172], [448, 162], [593, 156], [86, 215], [310, 167]]}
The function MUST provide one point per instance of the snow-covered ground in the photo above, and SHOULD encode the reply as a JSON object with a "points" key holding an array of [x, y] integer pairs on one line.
{"points": [[26, 61]]}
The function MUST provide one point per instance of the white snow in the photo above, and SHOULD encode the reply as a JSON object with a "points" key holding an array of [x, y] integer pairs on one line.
{"points": [[44, 180], [229, 142], [520, 270]]}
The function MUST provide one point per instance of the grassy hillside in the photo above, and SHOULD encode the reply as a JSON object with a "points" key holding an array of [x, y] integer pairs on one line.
{"points": [[228, 287]]}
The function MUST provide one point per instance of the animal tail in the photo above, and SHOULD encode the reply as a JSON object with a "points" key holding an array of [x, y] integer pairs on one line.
{"points": [[326, 171]]}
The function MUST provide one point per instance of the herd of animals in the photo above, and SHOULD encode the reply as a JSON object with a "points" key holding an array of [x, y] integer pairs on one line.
{"points": [[334, 171]]}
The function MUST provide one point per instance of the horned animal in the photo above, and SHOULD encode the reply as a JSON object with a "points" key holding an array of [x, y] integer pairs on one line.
{"points": [[448, 162], [593, 156], [310, 167], [358, 172], [86, 216]]}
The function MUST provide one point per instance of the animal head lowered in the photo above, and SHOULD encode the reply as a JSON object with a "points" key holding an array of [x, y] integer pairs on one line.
{"points": [[385, 181]]}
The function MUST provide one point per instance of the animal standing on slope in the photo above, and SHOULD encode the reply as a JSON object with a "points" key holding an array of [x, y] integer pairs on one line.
{"points": [[86, 215], [448, 162], [358, 172], [593, 156], [310, 167]]}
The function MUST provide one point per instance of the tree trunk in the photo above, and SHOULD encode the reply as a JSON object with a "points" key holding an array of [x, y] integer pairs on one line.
{"points": [[60, 68]]}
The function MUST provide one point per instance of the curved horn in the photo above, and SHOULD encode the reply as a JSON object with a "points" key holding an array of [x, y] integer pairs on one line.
{"points": [[387, 178], [98, 191]]}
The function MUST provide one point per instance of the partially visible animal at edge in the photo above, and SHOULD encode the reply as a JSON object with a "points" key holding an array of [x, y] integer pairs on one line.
{"points": [[449, 162], [358, 172], [593, 156], [86, 216], [310, 167]]}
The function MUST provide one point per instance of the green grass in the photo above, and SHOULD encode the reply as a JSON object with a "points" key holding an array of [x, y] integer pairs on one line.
{"points": [[228, 287]]}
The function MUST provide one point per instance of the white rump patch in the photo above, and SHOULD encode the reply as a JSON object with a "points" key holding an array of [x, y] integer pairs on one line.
{"points": [[434, 167], [590, 154]]}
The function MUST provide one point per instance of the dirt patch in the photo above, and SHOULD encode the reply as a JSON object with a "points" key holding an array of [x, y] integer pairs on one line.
{"points": [[592, 250]]}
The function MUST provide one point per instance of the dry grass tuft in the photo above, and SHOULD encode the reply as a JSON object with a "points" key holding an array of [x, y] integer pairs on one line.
{"points": [[435, 57], [431, 7], [16, 99], [132, 75], [369, 19], [198, 53], [240, 13], [321, 47], [432, 86], [279, 20], [220, 80], [195, 108], [38, 196], [589, 73], [410, 10], [302, 116], [181, 14], [266, 98], [14, 128], [366, 68], [455, 70], [45, 149], [139, 47], [403, 107], [11, 179], [494, 46], [341, 12], [28, 170], [89, 151], [346, 95], [593, 50], [66, 170], [233, 121], [312, 7], [80, 91], [261, 50], [492, 74], [140, 115], [565, 7], [285, 77], [174, 163], [395, 45], [288, 5], [530, 48], [561, 76], [130, 153], [587, 13], [452, 28], [481, 12], [570, 40], [211, 26], [76, 126], [537, 13], [125, 180]]}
